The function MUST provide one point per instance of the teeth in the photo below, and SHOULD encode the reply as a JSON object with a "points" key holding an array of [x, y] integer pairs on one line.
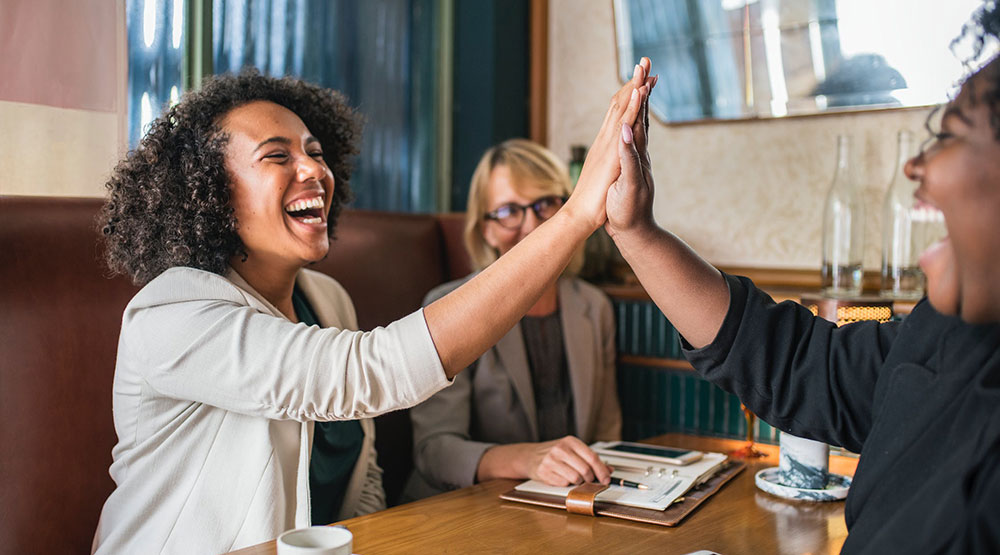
{"points": [[305, 204], [928, 214], [312, 220]]}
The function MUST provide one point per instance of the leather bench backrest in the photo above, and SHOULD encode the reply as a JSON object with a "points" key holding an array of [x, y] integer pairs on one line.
{"points": [[60, 316], [59, 321], [388, 262]]}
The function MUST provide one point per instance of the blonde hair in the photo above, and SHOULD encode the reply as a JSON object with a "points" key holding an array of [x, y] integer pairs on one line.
{"points": [[530, 164]]}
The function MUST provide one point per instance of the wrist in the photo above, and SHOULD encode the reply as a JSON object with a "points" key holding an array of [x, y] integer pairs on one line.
{"points": [[578, 221], [638, 231], [521, 457], [502, 461], [634, 240]]}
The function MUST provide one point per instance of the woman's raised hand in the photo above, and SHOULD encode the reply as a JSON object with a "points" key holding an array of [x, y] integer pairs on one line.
{"points": [[511, 285], [689, 291], [602, 166], [630, 199]]}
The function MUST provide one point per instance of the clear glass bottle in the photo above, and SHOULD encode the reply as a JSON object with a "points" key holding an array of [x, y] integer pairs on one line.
{"points": [[843, 228], [903, 233]]}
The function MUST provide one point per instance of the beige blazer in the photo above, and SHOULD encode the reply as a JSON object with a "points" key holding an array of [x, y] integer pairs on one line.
{"points": [[493, 402], [214, 398]]}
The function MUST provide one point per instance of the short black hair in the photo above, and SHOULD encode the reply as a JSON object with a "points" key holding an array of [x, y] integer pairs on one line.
{"points": [[982, 29], [169, 199]]}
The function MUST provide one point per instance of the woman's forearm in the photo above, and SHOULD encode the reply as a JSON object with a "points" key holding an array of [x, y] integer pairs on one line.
{"points": [[690, 292], [471, 319], [558, 462], [504, 461]]}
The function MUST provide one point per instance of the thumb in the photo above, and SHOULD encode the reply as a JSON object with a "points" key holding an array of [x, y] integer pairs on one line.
{"points": [[629, 158]]}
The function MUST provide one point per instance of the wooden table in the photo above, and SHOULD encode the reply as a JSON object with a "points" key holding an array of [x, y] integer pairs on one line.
{"points": [[738, 519]]}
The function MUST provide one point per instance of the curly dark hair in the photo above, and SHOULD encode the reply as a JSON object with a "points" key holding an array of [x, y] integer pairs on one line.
{"points": [[169, 199], [982, 30]]}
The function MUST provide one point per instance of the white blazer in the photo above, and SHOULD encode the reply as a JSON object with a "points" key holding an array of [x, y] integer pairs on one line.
{"points": [[215, 393]]}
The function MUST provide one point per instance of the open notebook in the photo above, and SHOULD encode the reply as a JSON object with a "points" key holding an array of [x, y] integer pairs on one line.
{"points": [[667, 482], [674, 491]]}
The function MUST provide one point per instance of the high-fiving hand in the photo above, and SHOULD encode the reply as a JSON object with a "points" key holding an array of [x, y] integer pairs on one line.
{"points": [[603, 164], [630, 199]]}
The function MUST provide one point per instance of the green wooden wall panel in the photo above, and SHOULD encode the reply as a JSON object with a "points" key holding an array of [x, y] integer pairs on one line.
{"points": [[658, 400]]}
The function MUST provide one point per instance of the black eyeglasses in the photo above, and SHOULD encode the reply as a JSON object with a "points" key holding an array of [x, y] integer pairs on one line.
{"points": [[511, 215]]}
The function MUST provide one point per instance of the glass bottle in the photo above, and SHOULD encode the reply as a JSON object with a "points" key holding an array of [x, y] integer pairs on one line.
{"points": [[843, 228], [902, 232]]}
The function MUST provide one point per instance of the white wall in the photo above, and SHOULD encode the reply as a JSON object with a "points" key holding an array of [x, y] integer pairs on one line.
{"points": [[56, 151], [742, 193]]}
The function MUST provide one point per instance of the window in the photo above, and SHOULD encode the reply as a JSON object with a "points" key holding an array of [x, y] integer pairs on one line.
{"points": [[382, 54], [770, 58], [156, 37]]}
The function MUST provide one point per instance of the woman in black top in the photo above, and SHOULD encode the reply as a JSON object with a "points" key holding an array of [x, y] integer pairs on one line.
{"points": [[920, 400]]}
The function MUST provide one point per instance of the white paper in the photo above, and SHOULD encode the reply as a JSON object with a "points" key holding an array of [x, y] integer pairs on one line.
{"points": [[666, 481]]}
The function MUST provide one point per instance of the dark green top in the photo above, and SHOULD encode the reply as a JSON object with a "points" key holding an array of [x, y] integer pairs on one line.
{"points": [[335, 450]]}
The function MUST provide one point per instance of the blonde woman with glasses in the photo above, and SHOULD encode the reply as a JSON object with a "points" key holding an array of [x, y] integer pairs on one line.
{"points": [[530, 405]]}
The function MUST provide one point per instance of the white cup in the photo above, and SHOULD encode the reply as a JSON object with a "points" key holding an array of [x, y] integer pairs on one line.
{"points": [[803, 463], [316, 540]]}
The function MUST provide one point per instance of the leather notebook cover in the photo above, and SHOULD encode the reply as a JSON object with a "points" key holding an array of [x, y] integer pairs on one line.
{"points": [[671, 516]]}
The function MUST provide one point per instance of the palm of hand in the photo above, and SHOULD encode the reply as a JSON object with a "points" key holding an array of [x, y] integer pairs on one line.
{"points": [[629, 201], [628, 205], [602, 166]]}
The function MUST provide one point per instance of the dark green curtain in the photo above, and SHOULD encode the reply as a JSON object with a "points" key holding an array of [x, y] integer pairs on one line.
{"points": [[380, 53]]}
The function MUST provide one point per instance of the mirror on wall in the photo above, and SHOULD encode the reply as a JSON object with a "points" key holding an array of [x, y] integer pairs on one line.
{"points": [[736, 59]]}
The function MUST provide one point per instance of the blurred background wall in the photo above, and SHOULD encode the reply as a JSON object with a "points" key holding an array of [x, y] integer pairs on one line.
{"points": [[746, 193], [62, 86]]}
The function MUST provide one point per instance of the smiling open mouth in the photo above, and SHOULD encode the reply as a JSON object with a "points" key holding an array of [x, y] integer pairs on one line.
{"points": [[307, 211], [930, 220]]}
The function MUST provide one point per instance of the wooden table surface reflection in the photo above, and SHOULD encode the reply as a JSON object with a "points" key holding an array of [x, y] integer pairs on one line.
{"points": [[738, 519]]}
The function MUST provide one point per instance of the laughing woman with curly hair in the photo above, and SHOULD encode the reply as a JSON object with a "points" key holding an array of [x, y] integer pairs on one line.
{"points": [[232, 351]]}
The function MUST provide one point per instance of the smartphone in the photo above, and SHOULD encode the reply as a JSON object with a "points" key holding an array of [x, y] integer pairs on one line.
{"points": [[653, 453]]}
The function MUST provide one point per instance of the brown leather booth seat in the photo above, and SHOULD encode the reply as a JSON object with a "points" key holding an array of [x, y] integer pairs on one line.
{"points": [[60, 315]]}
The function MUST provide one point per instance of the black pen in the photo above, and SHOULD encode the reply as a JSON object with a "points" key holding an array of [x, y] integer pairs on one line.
{"points": [[616, 481]]}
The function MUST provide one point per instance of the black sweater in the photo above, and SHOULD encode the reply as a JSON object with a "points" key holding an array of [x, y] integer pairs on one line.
{"points": [[920, 400]]}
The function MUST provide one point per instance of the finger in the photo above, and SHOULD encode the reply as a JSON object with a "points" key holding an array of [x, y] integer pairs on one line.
{"points": [[646, 64], [632, 109], [637, 80], [645, 108], [631, 169], [641, 133], [558, 473], [639, 74], [647, 166], [580, 468], [595, 466], [620, 100], [570, 458], [651, 81], [641, 125]]}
